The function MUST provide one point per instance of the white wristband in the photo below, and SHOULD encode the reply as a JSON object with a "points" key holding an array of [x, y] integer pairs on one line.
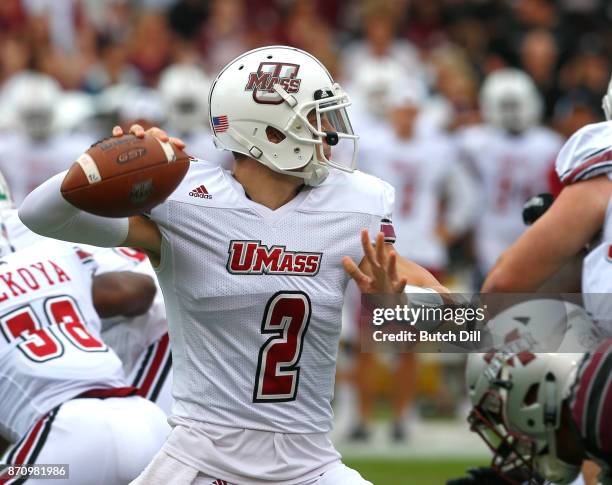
{"points": [[47, 213]]}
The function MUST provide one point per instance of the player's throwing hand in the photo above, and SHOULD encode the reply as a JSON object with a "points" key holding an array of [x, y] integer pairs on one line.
{"points": [[139, 132], [378, 271]]}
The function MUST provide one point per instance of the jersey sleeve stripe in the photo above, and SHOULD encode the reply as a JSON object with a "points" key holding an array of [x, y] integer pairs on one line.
{"points": [[595, 162]]}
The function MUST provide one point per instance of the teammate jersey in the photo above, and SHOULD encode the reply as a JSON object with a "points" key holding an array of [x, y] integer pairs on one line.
{"points": [[27, 164], [254, 295], [512, 169], [50, 350], [141, 342], [588, 154], [417, 169], [591, 405]]}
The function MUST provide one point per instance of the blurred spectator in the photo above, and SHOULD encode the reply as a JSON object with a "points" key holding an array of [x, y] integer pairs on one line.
{"points": [[380, 24], [225, 34], [112, 67], [150, 46], [539, 55]]}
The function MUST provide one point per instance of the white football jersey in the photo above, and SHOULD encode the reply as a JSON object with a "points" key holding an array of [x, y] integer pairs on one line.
{"points": [[141, 342], [27, 164], [417, 168], [512, 168], [50, 347], [588, 154], [254, 296]]}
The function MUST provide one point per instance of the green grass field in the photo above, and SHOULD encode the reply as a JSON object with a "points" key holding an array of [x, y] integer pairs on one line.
{"points": [[410, 472]]}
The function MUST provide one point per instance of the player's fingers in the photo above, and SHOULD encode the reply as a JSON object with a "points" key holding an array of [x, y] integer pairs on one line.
{"points": [[178, 143], [368, 250], [354, 272], [117, 131], [158, 133], [392, 266], [399, 286], [137, 131], [381, 253]]}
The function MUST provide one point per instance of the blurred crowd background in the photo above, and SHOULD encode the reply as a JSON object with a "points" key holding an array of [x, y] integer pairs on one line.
{"points": [[71, 69]]}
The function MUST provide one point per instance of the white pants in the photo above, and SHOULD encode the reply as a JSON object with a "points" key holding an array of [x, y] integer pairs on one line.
{"points": [[165, 469], [104, 441]]}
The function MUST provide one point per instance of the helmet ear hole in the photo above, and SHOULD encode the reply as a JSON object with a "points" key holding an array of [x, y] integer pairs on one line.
{"points": [[274, 136], [531, 396]]}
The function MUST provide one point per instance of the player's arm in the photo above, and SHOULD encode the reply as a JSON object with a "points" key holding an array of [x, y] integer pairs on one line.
{"points": [[382, 270], [124, 293], [46, 212], [571, 222]]}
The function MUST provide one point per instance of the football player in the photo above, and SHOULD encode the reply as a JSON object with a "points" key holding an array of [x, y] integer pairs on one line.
{"points": [[580, 215], [253, 275], [511, 154], [543, 412], [419, 166], [183, 88], [64, 395], [140, 341], [35, 146]]}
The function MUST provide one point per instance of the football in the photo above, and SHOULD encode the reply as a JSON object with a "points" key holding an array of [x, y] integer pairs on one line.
{"points": [[124, 176]]}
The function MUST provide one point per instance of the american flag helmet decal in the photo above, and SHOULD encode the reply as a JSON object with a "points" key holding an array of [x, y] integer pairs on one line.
{"points": [[220, 124]]}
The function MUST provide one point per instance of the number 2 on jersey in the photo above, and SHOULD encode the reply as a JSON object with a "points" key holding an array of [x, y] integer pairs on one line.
{"points": [[41, 344], [286, 319]]}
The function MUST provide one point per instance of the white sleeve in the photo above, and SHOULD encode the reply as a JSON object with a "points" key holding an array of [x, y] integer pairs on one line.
{"points": [[587, 154], [47, 213]]}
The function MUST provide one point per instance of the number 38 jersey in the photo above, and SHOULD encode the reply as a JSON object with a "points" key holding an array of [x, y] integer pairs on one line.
{"points": [[50, 350], [254, 296]]}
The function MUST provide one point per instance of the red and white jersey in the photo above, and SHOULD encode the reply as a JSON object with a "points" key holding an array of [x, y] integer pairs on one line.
{"points": [[141, 342], [588, 154], [591, 405], [254, 296], [50, 348], [27, 164], [417, 168], [512, 168]]}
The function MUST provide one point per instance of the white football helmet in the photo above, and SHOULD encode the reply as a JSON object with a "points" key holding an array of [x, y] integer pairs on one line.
{"points": [[285, 89], [606, 102], [35, 99], [184, 90], [510, 100], [517, 409]]}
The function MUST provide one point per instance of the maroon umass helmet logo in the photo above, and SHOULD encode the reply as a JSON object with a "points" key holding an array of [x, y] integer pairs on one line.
{"points": [[268, 74]]}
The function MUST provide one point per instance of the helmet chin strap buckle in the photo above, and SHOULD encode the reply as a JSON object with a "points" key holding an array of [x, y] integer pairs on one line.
{"points": [[331, 137]]}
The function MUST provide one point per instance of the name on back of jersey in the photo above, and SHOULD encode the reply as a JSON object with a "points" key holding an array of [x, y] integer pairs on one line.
{"points": [[30, 278]]}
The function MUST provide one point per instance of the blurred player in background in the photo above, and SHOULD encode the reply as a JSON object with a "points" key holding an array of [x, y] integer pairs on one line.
{"points": [[578, 217], [65, 397], [512, 155], [37, 134], [435, 199], [238, 419], [184, 89]]}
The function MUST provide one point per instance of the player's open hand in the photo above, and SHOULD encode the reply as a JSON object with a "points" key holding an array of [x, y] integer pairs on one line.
{"points": [[377, 272], [158, 133]]}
